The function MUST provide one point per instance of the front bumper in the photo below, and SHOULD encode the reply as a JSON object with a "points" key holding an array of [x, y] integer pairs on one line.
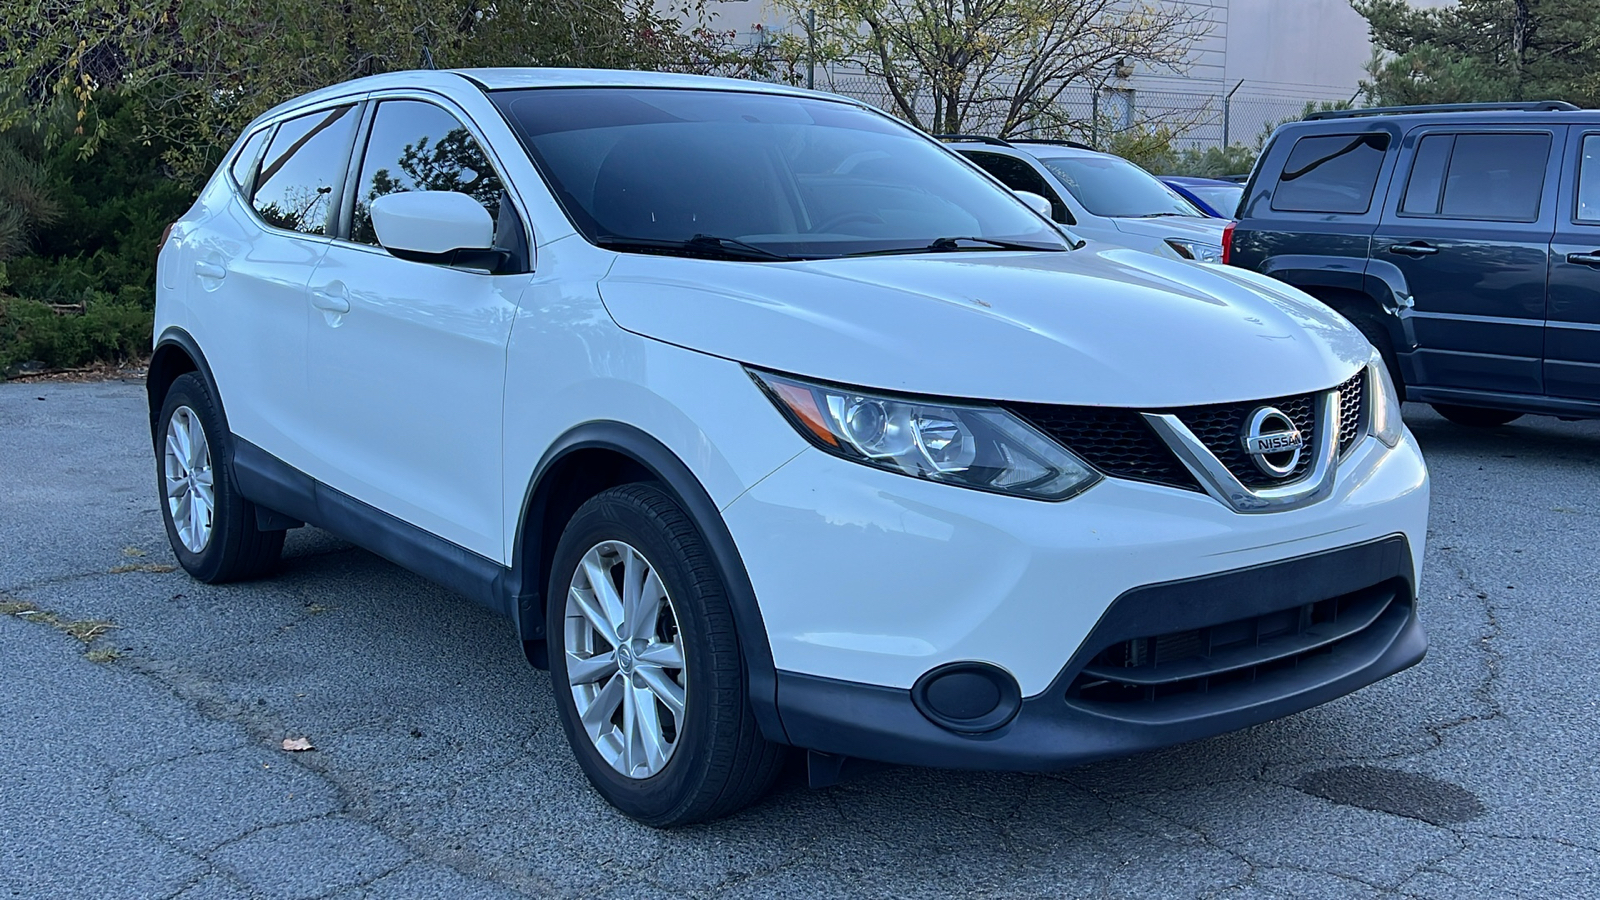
{"points": [[869, 581], [1065, 725]]}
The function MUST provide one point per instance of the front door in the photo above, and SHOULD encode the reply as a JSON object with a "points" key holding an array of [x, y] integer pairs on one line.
{"points": [[406, 371], [1470, 232], [1572, 333]]}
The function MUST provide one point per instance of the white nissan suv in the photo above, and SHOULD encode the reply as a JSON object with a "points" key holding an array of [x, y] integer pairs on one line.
{"points": [[770, 422]]}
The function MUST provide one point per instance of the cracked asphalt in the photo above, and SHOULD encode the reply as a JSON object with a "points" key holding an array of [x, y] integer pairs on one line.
{"points": [[146, 762]]}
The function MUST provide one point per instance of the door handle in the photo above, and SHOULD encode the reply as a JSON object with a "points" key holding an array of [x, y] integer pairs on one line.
{"points": [[1584, 259], [327, 302], [1416, 249], [209, 270]]}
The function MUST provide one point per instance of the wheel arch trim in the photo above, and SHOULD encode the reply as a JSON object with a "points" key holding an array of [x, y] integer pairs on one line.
{"points": [[529, 549], [176, 340]]}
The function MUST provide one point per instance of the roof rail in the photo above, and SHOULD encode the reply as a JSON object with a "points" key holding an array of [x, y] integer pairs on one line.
{"points": [[1532, 106], [1055, 142], [976, 138]]}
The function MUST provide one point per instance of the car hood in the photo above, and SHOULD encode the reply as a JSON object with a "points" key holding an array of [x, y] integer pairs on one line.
{"points": [[1185, 228], [1106, 326]]}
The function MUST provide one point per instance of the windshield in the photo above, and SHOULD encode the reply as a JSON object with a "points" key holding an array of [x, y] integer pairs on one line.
{"points": [[758, 176], [1224, 198], [1113, 187]]}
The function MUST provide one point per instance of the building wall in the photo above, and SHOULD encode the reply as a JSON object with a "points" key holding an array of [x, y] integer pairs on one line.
{"points": [[1311, 49]]}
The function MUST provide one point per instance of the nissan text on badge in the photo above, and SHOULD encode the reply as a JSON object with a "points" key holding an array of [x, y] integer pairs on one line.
{"points": [[773, 426]]}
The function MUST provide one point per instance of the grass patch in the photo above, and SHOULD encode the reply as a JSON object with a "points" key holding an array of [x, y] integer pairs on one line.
{"points": [[85, 630]]}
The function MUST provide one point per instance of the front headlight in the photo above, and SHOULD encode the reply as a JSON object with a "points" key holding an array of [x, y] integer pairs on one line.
{"points": [[980, 447], [1387, 426], [1195, 250]]}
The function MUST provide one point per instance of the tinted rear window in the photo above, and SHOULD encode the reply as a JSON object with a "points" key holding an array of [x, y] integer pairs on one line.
{"points": [[294, 187], [1333, 173], [1496, 176]]}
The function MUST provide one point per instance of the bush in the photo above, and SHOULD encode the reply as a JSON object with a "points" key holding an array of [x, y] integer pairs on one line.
{"points": [[97, 250], [107, 330]]}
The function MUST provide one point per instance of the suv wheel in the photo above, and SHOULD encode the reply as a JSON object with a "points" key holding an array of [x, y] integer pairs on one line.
{"points": [[1376, 334], [645, 664], [1475, 416], [212, 528]]}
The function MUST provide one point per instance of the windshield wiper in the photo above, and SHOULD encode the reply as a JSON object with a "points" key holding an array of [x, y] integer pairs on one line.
{"points": [[699, 245], [950, 244], [1158, 215]]}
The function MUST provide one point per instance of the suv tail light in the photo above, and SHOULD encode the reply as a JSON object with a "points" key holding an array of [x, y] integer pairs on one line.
{"points": [[167, 233], [1227, 243]]}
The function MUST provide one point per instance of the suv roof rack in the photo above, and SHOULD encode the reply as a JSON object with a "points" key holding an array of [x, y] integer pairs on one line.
{"points": [[1056, 142], [1531, 106], [977, 138]]}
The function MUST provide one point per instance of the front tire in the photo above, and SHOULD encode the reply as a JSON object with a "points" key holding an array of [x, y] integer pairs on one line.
{"points": [[1475, 416], [212, 529], [645, 664]]}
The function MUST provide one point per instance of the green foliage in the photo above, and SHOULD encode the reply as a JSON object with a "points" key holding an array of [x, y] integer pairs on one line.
{"points": [[112, 210], [207, 67], [32, 331], [26, 199], [96, 249], [1483, 50]]}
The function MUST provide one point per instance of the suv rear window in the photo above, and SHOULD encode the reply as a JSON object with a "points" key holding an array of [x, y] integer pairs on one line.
{"points": [[1492, 177], [1331, 173]]}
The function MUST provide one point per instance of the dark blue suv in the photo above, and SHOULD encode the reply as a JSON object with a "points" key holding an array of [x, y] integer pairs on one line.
{"points": [[1462, 239]]}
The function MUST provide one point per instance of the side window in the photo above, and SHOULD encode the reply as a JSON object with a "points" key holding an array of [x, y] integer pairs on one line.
{"points": [[1427, 175], [416, 146], [1333, 173], [1019, 176], [1496, 176], [294, 189], [244, 165], [1589, 181]]}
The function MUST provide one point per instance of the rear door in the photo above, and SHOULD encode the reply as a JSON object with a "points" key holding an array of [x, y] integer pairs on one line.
{"points": [[1470, 232], [1572, 332], [249, 267], [406, 360]]}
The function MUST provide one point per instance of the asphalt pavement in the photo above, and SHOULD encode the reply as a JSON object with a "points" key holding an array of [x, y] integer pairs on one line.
{"points": [[142, 717]]}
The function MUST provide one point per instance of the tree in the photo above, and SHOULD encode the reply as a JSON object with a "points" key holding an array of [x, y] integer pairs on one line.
{"points": [[27, 200], [1483, 50], [1000, 65], [207, 67]]}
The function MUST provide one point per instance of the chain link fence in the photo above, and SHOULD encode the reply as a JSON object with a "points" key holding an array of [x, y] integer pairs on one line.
{"points": [[1196, 120]]}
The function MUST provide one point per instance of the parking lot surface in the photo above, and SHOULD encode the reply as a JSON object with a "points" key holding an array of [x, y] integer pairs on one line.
{"points": [[143, 716]]}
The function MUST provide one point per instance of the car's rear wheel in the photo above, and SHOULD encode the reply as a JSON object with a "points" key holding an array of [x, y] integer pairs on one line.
{"points": [[212, 529], [645, 664], [1475, 416]]}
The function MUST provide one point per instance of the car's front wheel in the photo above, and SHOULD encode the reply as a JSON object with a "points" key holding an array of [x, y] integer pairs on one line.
{"points": [[1475, 416], [645, 664], [211, 527]]}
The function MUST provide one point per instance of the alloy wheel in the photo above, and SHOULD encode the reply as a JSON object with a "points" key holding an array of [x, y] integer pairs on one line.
{"points": [[186, 464], [624, 659]]}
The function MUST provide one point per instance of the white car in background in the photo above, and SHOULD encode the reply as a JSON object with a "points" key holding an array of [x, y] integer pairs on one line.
{"points": [[1099, 196], [768, 422]]}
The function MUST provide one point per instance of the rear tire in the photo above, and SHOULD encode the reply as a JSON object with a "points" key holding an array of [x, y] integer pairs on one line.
{"points": [[667, 734], [1475, 416], [211, 527]]}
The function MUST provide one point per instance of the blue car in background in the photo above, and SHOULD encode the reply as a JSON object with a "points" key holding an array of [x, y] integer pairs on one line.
{"points": [[1214, 196]]}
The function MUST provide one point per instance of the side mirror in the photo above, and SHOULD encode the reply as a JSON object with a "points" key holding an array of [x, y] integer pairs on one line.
{"points": [[445, 227], [1038, 204]]}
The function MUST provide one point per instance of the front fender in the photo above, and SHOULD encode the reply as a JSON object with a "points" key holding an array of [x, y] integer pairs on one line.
{"points": [[530, 557]]}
